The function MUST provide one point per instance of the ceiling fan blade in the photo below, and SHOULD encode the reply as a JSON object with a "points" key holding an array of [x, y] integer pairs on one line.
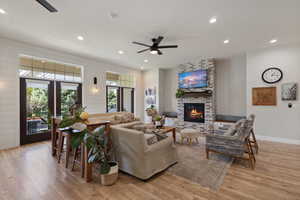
{"points": [[141, 51], [145, 45], [159, 52], [47, 5], [158, 40], [167, 46]]}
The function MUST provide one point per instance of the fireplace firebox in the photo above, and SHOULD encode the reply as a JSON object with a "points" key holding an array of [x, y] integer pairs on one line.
{"points": [[194, 112]]}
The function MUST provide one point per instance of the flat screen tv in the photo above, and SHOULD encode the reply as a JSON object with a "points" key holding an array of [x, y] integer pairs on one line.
{"points": [[193, 79]]}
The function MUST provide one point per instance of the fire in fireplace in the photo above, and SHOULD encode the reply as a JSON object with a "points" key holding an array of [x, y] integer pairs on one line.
{"points": [[194, 112]]}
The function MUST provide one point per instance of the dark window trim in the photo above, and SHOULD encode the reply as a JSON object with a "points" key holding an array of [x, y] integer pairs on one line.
{"points": [[120, 97]]}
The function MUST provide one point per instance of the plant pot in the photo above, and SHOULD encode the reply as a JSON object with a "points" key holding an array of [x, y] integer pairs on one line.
{"points": [[111, 177]]}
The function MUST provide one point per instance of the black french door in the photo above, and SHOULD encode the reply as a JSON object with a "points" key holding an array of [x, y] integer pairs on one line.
{"points": [[119, 99], [37, 106], [36, 109], [67, 94]]}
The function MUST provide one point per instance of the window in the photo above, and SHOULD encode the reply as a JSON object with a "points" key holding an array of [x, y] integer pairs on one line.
{"points": [[119, 92], [38, 68]]}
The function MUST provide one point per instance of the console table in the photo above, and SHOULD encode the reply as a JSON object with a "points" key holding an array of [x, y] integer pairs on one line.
{"points": [[91, 125]]}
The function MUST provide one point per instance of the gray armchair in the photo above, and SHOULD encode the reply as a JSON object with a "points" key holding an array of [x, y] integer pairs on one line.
{"points": [[234, 142]]}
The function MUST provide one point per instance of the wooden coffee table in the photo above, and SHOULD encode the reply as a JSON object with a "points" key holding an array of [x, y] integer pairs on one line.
{"points": [[168, 129]]}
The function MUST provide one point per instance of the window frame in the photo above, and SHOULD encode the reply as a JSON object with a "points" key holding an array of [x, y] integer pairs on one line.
{"points": [[120, 97]]}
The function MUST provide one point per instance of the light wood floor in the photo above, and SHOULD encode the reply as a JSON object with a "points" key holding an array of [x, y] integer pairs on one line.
{"points": [[31, 173]]}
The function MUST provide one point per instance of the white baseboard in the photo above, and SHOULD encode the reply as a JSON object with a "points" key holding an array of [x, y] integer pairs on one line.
{"points": [[277, 139]]}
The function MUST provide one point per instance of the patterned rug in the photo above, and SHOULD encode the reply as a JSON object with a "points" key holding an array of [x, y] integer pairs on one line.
{"points": [[193, 165]]}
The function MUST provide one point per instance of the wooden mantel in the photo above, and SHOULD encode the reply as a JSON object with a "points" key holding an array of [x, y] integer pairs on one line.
{"points": [[204, 93]]}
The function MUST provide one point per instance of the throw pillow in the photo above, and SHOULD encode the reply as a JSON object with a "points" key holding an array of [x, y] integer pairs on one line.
{"points": [[125, 117]]}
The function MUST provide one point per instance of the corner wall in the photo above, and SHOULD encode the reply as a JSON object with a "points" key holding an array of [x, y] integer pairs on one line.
{"points": [[9, 85], [231, 85]]}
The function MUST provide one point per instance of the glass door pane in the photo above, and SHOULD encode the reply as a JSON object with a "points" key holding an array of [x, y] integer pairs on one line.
{"points": [[127, 97], [112, 99], [69, 97], [37, 104]]}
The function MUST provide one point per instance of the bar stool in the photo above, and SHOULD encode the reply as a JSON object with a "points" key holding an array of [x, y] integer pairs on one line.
{"points": [[62, 135], [54, 136], [79, 158]]}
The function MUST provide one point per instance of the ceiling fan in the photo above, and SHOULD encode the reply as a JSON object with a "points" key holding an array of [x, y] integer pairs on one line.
{"points": [[47, 5], [155, 48]]}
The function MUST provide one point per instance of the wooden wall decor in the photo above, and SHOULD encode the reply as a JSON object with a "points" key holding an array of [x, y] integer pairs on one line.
{"points": [[264, 96]]}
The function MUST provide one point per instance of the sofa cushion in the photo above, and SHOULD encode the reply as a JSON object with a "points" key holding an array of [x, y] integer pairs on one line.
{"points": [[144, 127], [125, 117], [104, 118]]}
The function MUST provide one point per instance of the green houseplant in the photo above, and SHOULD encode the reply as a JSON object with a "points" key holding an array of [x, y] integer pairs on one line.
{"points": [[179, 93], [98, 142]]}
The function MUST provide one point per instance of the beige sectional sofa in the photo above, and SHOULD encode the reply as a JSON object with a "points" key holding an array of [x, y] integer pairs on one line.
{"points": [[134, 155]]}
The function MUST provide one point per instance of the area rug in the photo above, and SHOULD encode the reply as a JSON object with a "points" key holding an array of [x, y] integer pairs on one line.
{"points": [[193, 165]]}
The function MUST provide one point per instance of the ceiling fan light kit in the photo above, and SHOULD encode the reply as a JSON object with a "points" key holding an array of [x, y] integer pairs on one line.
{"points": [[155, 48], [154, 52]]}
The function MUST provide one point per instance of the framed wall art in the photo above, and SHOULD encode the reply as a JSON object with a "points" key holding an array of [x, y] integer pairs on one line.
{"points": [[289, 91], [264, 96]]}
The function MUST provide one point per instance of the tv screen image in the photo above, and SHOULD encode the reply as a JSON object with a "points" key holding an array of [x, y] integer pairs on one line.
{"points": [[193, 79]]}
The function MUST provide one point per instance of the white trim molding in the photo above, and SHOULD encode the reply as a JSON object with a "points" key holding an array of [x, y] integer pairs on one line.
{"points": [[277, 139]]}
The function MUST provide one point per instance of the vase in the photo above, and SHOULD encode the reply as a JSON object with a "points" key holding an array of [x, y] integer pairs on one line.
{"points": [[112, 176]]}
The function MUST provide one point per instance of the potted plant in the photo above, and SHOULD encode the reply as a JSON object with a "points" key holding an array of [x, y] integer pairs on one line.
{"points": [[100, 152], [151, 112], [159, 121], [98, 143], [179, 93]]}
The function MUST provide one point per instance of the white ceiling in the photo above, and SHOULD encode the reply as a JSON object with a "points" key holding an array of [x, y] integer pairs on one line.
{"points": [[248, 24]]}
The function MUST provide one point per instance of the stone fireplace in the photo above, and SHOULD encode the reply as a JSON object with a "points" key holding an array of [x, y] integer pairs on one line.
{"points": [[194, 112], [197, 109]]}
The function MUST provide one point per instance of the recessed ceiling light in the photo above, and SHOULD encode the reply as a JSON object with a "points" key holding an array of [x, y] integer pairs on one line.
{"points": [[213, 20], [121, 52], [2, 11], [146, 60], [80, 37], [273, 41], [226, 41]]}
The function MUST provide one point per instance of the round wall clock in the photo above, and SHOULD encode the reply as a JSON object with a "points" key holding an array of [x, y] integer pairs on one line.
{"points": [[272, 75]]}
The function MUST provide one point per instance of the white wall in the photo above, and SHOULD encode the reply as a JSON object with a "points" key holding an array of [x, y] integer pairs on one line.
{"points": [[231, 85], [151, 80], [9, 85], [278, 121], [170, 87]]}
